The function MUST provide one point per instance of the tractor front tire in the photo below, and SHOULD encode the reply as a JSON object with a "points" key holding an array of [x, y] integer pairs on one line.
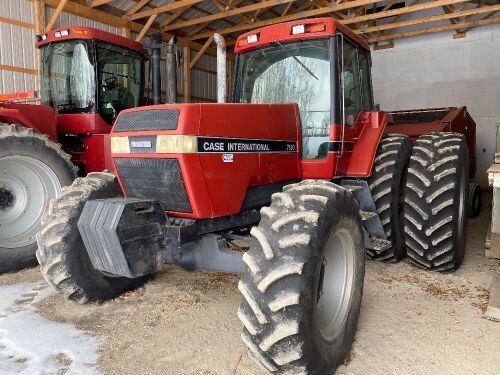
{"points": [[62, 255], [32, 171], [304, 280], [436, 201], [387, 183]]}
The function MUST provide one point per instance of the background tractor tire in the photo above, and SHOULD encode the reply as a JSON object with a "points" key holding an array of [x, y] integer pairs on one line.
{"points": [[475, 200], [387, 183], [62, 255], [32, 171], [436, 201], [304, 280]]}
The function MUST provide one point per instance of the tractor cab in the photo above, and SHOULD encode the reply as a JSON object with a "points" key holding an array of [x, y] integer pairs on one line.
{"points": [[88, 71], [318, 64]]}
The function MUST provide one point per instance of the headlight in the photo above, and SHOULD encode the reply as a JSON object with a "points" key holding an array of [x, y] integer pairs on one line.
{"points": [[119, 145], [176, 144]]}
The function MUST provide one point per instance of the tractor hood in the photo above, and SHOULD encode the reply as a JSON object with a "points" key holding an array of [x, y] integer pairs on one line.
{"points": [[207, 160]]}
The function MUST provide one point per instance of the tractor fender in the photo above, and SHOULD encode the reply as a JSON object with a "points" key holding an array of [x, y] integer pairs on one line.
{"points": [[38, 117], [363, 154]]}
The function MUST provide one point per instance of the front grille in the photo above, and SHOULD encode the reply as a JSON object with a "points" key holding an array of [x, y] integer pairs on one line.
{"points": [[155, 119], [159, 179]]}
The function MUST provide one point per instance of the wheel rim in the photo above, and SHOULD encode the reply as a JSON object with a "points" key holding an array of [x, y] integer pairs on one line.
{"points": [[336, 284], [26, 186]]}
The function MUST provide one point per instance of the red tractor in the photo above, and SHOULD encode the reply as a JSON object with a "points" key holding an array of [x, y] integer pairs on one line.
{"points": [[310, 186], [88, 77]]}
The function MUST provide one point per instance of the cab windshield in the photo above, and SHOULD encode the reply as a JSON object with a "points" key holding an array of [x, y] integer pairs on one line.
{"points": [[296, 72]]}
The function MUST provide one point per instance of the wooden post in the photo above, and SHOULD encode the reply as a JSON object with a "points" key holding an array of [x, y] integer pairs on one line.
{"points": [[186, 82], [39, 17], [126, 32]]}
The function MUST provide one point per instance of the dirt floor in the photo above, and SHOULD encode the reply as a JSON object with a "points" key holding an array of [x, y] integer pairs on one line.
{"points": [[412, 321]]}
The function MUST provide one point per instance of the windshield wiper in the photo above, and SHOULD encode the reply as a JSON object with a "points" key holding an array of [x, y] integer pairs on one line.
{"points": [[300, 62]]}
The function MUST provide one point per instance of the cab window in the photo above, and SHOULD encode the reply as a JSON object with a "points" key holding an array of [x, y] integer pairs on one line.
{"points": [[350, 90], [366, 86]]}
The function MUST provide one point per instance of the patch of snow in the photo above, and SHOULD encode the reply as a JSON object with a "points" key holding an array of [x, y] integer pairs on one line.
{"points": [[31, 344]]}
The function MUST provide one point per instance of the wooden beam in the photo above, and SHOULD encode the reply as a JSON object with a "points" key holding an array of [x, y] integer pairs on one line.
{"points": [[186, 75], [201, 52], [164, 8], [429, 19], [56, 14], [231, 12], [10, 21], [146, 28], [437, 29], [174, 16], [334, 8], [40, 22], [97, 3], [18, 69], [137, 7]]}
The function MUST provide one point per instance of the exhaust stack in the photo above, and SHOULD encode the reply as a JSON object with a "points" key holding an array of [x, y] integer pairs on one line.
{"points": [[221, 68], [171, 72], [155, 67]]}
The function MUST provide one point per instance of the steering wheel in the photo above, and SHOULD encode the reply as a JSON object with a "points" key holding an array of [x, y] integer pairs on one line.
{"points": [[110, 82]]}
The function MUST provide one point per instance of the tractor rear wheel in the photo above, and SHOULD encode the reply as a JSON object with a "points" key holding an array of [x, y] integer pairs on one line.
{"points": [[304, 280], [62, 255], [436, 201], [387, 183], [32, 171]]}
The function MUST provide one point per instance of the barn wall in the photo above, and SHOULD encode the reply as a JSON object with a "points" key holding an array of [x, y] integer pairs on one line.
{"points": [[437, 71]]}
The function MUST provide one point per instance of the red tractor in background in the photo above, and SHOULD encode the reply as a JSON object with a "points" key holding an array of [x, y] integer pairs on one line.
{"points": [[291, 195], [88, 76]]}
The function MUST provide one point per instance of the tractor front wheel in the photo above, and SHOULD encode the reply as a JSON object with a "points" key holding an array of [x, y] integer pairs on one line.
{"points": [[303, 284], [62, 255], [32, 171]]}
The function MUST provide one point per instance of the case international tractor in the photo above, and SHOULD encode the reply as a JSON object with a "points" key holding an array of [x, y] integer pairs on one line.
{"points": [[312, 186], [87, 77]]}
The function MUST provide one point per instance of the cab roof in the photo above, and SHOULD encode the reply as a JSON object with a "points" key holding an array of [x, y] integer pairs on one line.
{"points": [[282, 32], [90, 33]]}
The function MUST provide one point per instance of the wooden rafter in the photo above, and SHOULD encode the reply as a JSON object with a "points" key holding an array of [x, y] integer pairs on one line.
{"points": [[165, 8], [429, 19], [97, 3], [146, 28], [436, 29], [137, 7], [57, 13], [231, 12]]}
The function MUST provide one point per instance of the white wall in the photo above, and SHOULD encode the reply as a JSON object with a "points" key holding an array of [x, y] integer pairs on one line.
{"points": [[436, 71]]}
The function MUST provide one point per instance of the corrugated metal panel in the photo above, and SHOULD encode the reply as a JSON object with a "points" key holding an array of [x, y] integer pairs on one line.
{"points": [[66, 19], [20, 10]]}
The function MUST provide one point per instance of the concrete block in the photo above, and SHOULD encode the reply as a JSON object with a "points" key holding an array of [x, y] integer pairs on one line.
{"points": [[493, 309]]}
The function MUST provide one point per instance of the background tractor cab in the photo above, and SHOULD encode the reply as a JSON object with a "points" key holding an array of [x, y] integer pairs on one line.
{"points": [[324, 68], [91, 74]]}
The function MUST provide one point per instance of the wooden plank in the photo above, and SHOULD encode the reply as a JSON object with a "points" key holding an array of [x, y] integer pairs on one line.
{"points": [[146, 28], [19, 69], [96, 3], [493, 309], [429, 19], [56, 14], [40, 21], [11, 21], [201, 52], [231, 12], [333, 8], [137, 7], [164, 8], [186, 75], [431, 30]]}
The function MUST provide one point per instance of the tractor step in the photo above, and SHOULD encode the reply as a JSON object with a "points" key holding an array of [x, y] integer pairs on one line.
{"points": [[353, 188], [380, 244], [367, 215]]}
